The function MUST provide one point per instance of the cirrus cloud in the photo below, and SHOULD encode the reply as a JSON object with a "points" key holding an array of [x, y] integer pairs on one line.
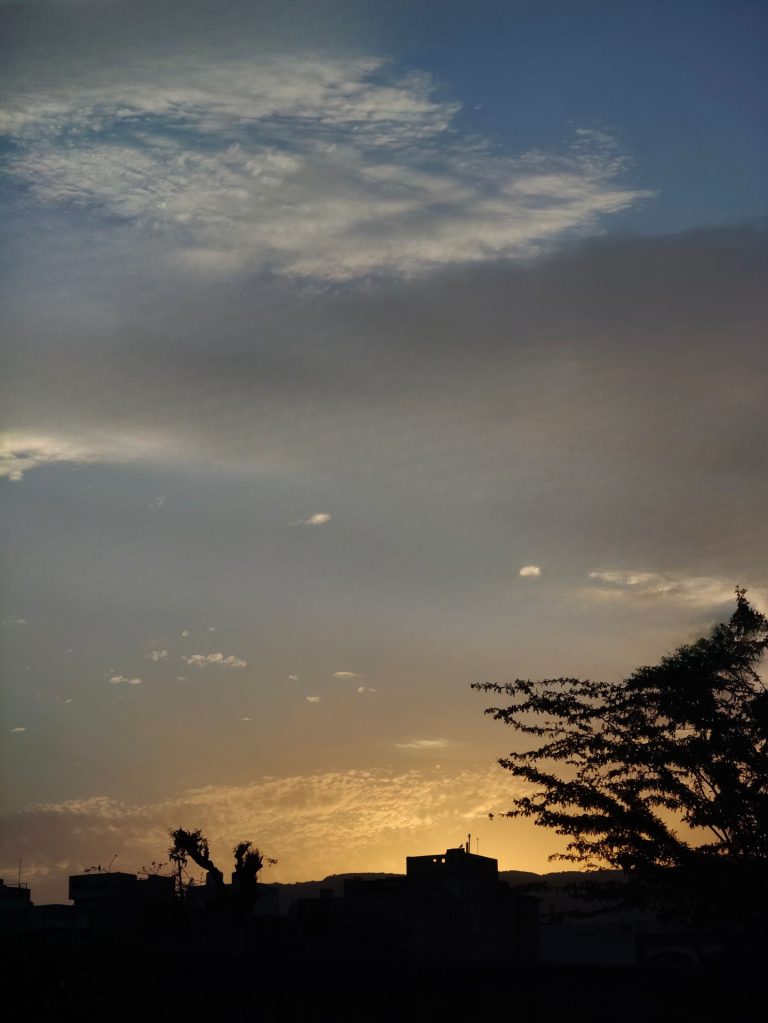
{"points": [[425, 744], [315, 167], [361, 820], [699, 591]]}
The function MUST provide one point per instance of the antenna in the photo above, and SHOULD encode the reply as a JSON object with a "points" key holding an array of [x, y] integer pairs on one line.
{"points": [[469, 843], [477, 843]]}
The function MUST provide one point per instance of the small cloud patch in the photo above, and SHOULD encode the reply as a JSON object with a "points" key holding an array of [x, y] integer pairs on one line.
{"points": [[314, 699], [157, 655], [318, 519], [18, 728], [423, 744], [530, 571], [347, 674], [117, 680], [222, 660]]}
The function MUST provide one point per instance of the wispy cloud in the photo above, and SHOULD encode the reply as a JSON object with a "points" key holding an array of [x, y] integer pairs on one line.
{"points": [[530, 571], [21, 452], [157, 655], [347, 674], [318, 519], [423, 744], [360, 819], [700, 591], [15, 621], [117, 680], [314, 699], [18, 728], [219, 659], [315, 167]]}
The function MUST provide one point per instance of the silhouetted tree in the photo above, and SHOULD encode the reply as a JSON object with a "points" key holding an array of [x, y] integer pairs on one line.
{"points": [[193, 845], [241, 895], [663, 775]]}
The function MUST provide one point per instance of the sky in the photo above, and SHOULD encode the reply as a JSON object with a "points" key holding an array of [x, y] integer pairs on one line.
{"points": [[352, 353]]}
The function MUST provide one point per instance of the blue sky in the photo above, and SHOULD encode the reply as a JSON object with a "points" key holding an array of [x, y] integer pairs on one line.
{"points": [[353, 353], [683, 85]]}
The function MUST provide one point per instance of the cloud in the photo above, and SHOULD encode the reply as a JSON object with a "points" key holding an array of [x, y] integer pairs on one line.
{"points": [[14, 621], [698, 591], [365, 819], [244, 719], [313, 699], [653, 345], [423, 744], [156, 502], [157, 655], [347, 674], [117, 680], [293, 678], [185, 633], [318, 519], [18, 728], [361, 689], [222, 660], [530, 571], [22, 451], [314, 166]]}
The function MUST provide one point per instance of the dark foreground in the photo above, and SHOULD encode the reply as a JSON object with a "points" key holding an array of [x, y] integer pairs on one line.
{"points": [[108, 980]]}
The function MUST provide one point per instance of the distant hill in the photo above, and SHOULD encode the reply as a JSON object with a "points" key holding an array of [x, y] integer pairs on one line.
{"points": [[288, 894]]}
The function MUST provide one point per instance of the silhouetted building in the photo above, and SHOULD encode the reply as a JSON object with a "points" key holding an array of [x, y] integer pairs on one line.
{"points": [[118, 900], [448, 906], [459, 907], [15, 907]]}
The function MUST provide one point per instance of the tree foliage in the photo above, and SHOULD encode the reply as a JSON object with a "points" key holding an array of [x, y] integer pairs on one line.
{"points": [[193, 845], [663, 775]]}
